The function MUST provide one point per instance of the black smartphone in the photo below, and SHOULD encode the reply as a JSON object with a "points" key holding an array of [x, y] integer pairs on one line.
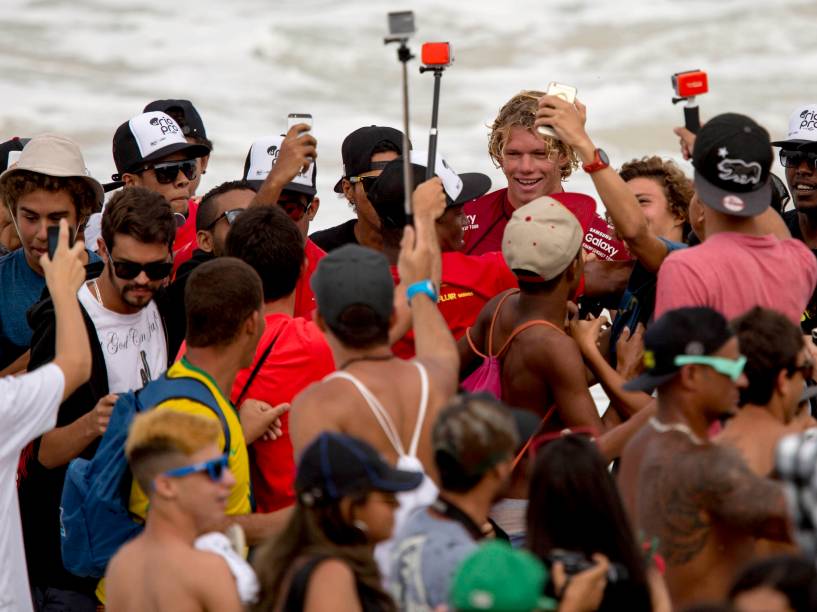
{"points": [[54, 238]]}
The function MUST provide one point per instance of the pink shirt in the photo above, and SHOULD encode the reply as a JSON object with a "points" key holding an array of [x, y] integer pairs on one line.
{"points": [[733, 272]]}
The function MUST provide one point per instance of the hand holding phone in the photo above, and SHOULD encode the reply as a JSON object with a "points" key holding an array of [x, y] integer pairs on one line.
{"points": [[54, 238], [566, 93]]}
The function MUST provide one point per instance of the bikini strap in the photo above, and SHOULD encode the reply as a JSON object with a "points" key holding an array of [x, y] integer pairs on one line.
{"points": [[421, 412], [494, 317]]}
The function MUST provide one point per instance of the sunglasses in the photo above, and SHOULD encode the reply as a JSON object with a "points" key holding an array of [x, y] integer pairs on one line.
{"points": [[214, 468], [792, 159], [128, 270], [295, 210], [167, 172], [731, 368], [230, 215], [806, 369], [365, 181]]}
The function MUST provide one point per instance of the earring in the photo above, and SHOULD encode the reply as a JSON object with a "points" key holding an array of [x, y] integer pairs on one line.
{"points": [[361, 525]]}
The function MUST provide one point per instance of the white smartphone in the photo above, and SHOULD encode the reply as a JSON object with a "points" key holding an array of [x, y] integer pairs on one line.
{"points": [[296, 118], [566, 93]]}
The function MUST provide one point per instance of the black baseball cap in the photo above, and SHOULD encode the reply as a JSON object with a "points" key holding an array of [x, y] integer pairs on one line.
{"points": [[335, 465], [386, 193], [357, 148], [9, 151], [684, 331], [732, 157], [353, 275], [147, 138], [185, 114]]}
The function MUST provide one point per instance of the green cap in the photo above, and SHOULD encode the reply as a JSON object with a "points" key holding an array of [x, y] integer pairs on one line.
{"points": [[497, 577]]}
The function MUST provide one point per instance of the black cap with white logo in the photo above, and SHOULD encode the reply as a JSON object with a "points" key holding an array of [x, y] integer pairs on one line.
{"points": [[732, 158], [185, 114], [262, 157], [147, 138]]}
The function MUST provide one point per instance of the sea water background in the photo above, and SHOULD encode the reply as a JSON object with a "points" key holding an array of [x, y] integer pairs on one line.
{"points": [[82, 67]]}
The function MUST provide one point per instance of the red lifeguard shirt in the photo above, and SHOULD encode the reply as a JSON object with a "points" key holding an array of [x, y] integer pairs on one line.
{"points": [[486, 218], [185, 242], [304, 298], [300, 357], [468, 283]]}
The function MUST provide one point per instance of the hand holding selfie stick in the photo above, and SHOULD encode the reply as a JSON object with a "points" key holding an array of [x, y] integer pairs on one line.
{"points": [[436, 57], [401, 27], [687, 86]]}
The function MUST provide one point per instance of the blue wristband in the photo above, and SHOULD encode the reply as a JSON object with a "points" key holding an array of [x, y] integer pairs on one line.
{"points": [[424, 286]]}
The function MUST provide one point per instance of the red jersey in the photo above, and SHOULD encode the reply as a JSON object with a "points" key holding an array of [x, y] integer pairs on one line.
{"points": [[185, 242], [468, 283], [304, 298], [300, 357], [486, 218]]}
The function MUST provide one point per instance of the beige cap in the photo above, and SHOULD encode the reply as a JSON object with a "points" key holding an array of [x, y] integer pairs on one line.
{"points": [[53, 155], [542, 237]]}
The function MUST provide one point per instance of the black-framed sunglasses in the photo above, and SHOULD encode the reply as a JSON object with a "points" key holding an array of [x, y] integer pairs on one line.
{"points": [[792, 159], [365, 181], [128, 270], [230, 215], [166, 172]]}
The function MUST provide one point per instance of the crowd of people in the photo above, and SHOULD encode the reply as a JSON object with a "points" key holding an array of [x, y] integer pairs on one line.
{"points": [[208, 407]]}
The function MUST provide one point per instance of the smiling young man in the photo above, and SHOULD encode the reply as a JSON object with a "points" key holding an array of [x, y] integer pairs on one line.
{"points": [[130, 346], [49, 182], [535, 166], [798, 155]]}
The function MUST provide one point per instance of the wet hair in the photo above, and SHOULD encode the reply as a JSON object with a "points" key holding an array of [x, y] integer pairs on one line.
{"points": [[575, 506], [24, 182], [677, 187], [160, 440], [208, 209], [219, 297], [793, 577], [520, 111], [314, 531], [141, 214], [360, 327], [770, 343], [471, 435], [269, 241]]}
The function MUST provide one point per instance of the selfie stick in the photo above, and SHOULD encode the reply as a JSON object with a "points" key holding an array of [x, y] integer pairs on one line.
{"points": [[404, 55], [436, 57], [692, 118]]}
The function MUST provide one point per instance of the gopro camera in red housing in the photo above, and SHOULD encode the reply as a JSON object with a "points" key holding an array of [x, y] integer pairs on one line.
{"points": [[690, 83], [437, 54]]}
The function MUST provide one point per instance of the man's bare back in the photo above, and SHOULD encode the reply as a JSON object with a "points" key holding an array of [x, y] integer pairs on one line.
{"points": [[704, 507], [168, 574], [542, 366]]}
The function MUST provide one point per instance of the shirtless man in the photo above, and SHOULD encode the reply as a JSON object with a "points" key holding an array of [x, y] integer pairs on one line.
{"points": [[542, 366], [175, 456], [355, 296], [777, 365], [699, 501]]}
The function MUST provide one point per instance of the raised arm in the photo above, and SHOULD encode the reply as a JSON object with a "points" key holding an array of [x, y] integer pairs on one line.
{"points": [[296, 149], [623, 207]]}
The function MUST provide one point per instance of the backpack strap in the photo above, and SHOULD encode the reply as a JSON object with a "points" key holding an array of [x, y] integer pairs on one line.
{"points": [[183, 388], [256, 369], [527, 324], [538, 430], [494, 317]]}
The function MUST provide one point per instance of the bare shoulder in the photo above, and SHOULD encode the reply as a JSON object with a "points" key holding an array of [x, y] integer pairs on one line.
{"points": [[214, 581]]}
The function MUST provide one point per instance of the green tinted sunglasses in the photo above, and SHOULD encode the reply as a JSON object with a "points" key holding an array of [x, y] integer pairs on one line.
{"points": [[732, 368]]}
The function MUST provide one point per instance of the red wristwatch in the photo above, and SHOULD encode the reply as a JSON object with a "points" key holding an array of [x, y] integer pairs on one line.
{"points": [[600, 162]]}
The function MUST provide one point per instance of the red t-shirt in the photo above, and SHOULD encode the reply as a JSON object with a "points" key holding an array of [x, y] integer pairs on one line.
{"points": [[185, 242], [300, 357], [732, 273], [486, 218], [304, 298], [468, 283]]}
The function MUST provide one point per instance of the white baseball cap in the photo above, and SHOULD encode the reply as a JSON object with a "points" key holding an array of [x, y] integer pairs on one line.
{"points": [[802, 128]]}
